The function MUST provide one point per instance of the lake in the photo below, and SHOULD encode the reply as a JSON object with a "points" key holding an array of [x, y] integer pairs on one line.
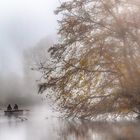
{"points": [[34, 126]]}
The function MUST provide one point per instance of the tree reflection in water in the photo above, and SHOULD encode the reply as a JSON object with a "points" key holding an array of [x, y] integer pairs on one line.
{"points": [[35, 128], [86, 130]]}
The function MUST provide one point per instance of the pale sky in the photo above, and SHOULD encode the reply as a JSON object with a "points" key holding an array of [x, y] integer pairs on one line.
{"points": [[22, 24]]}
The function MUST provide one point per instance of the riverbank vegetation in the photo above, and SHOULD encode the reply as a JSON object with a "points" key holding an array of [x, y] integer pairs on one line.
{"points": [[95, 67]]}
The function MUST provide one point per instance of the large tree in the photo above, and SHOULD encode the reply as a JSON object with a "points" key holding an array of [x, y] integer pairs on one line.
{"points": [[95, 67]]}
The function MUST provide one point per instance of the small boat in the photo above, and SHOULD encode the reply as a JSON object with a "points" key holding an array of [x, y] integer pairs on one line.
{"points": [[13, 112]]}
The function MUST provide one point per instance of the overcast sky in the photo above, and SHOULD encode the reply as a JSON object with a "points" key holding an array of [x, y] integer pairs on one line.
{"points": [[23, 23]]}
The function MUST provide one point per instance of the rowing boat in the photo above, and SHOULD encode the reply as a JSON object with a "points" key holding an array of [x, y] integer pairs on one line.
{"points": [[13, 112]]}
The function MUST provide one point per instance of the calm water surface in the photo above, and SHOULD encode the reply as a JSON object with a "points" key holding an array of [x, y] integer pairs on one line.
{"points": [[32, 126]]}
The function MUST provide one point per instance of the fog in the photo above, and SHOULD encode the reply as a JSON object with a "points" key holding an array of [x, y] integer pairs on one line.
{"points": [[23, 23]]}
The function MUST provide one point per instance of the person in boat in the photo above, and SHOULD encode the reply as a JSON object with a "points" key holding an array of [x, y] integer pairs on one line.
{"points": [[9, 108], [16, 107]]}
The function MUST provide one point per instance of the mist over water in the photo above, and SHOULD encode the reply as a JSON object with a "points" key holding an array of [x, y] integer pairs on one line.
{"points": [[40, 125], [27, 29], [23, 24]]}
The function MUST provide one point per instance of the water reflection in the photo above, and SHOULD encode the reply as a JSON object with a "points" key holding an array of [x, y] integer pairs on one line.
{"points": [[40, 128], [100, 131]]}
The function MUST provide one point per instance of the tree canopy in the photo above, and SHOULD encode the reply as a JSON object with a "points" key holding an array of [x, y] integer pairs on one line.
{"points": [[95, 67]]}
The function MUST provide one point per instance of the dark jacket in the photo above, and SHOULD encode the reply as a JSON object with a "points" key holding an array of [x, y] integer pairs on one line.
{"points": [[9, 108], [16, 107]]}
